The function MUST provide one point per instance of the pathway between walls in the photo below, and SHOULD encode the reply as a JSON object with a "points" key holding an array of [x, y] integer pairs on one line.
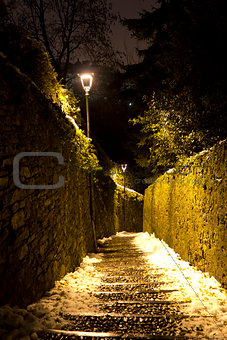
{"points": [[136, 287]]}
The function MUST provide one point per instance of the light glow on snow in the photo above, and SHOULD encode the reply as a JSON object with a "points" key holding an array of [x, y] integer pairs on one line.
{"points": [[202, 294], [69, 295], [127, 189]]}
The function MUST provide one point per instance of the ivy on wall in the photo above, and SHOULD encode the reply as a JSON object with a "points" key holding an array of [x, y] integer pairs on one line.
{"points": [[31, 59]]}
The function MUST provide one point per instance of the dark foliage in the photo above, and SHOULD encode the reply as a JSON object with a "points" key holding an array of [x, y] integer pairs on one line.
{"points": [[185, 65], [67, 29]]}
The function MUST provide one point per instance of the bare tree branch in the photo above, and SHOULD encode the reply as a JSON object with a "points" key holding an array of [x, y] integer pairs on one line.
{"points": [[67, 28]]}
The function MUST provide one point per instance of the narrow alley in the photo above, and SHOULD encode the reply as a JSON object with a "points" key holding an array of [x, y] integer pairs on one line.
{"points": [[113, 169], [136, 287]]}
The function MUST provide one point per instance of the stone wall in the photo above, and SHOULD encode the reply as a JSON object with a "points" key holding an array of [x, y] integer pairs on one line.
{"points": [[128, 210], [44, 233], [186, 208], [103, 198]]}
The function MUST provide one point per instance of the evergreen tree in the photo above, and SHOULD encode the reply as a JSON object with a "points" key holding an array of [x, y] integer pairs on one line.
{"points": [[185, 64]]}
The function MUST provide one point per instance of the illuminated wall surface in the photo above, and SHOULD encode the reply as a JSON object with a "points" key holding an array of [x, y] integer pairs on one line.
{"points": [[128, 210], [44, 233], [186, 208]]}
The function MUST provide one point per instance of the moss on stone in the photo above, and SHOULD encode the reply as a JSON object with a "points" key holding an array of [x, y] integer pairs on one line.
{"points": [[185, 207]]}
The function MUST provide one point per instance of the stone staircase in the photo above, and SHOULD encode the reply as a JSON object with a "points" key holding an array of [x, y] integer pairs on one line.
{"points": [[132, 301]]}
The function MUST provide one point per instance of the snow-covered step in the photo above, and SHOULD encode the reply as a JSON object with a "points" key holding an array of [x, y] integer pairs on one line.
{"points": [[128, 284], [142, 302], [148, 291], [134, 254], [140, 309], [131, 278], [133, 287], [61, 334], [120, 326]]}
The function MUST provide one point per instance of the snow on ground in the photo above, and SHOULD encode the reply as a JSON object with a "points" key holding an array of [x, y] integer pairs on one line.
{"points": [[69, 295], [104, 239], [202, 294], [127, 189]]}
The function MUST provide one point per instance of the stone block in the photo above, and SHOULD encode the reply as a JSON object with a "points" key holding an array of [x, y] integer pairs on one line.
{"points": [[18, 219], [49, 230], [4, 182], [188, 216], [23, 252]]}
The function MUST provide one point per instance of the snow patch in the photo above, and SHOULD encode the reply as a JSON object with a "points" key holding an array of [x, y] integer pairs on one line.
{"points": [[127, 189], [70, 295], [202, 293], [72, 121]]}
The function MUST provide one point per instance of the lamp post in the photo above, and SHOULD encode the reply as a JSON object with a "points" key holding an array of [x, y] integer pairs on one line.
{"points": [[124, 167], [86, 81]]}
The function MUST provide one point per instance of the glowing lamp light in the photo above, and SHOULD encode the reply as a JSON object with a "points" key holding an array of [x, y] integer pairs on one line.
{"points": [[124, 167], [86, 81]]}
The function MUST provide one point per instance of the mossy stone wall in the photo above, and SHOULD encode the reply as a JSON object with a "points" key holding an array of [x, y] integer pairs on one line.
{"points": [[186, 208], [43, 233], [103, 202], [128, 210]]}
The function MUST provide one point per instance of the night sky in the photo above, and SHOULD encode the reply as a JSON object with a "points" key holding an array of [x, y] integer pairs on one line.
{"points": [[121, 37]]}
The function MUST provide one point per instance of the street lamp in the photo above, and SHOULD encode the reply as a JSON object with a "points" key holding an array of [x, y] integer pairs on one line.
{"points": [[124, 167], [86, 81]]}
